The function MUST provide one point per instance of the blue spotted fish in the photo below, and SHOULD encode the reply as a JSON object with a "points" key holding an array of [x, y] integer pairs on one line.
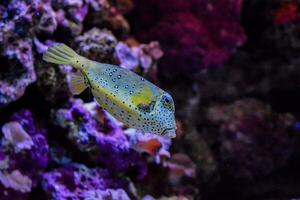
{"points": [[125, 95]]}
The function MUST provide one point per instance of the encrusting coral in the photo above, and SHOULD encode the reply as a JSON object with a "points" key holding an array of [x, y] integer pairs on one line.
{"points": [[76, 181]]}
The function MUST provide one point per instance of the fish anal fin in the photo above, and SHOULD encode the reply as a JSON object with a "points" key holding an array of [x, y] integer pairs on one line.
{"points": [[77, 84]]}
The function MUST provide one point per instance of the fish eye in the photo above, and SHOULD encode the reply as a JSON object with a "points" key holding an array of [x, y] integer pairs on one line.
{"points": [[167, 99]]}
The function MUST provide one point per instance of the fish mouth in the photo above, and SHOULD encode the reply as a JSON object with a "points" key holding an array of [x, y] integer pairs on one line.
{"points": [[169, 133]]}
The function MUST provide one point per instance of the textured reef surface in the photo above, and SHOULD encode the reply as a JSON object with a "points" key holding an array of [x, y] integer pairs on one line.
{"points": [[232, 67]]}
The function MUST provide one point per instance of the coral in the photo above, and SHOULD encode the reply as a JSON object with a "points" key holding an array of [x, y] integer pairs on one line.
{"points": [[17, 136], [20, 21], [107, 194], [78, 132], [17, 71], [71, 27], [254, 140], [97, 5], [79, 182], [108, 13], [96, 44], [128, 58], [53, 82], [46, 22], [287, 12], [16, 181], [191, 139], [143, 56], [156, 146], [24, 155], [148, 197], [38, 153], [180, 165], [110, 147], [193, 34]]}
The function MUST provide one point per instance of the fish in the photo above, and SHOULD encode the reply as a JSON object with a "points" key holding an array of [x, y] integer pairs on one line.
{"points": [[128, 97]]}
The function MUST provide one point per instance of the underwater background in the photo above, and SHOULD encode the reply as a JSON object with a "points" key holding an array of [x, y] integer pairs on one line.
{"points": [[232, 67]]}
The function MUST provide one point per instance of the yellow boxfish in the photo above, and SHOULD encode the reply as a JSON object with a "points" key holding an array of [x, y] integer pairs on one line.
{"points": [[125, 95]]}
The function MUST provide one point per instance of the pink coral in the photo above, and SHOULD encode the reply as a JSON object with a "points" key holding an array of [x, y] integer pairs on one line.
{"points": [[194, 34]]}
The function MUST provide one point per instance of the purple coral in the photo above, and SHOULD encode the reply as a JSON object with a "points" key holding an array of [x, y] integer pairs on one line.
{"points": [[47, 23], [79, 182], [128, 58], [17, 136], [107, 140], [39, 152], [24, 155], [21, 20], [144, 55]]}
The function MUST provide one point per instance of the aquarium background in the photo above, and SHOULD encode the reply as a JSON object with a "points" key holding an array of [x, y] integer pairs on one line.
{"points": [[232, 67]]}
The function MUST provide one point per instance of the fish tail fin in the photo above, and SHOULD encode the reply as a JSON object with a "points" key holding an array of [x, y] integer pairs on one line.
{"points": [[61, 54]]}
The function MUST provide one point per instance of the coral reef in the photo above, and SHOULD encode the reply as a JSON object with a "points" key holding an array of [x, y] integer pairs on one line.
{"points": [[231, 66]]}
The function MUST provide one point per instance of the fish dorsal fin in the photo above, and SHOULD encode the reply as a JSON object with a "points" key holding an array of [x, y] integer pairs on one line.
{"points": [[77, 84], [144, 98]]}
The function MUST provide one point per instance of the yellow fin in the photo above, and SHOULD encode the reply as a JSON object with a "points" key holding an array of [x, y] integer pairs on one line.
{"points": [[145, 97], [77, 84], [60, 54]]}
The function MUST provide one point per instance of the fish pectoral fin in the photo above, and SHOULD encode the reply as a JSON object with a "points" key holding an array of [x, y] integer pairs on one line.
{"points": [[77, 84]]}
